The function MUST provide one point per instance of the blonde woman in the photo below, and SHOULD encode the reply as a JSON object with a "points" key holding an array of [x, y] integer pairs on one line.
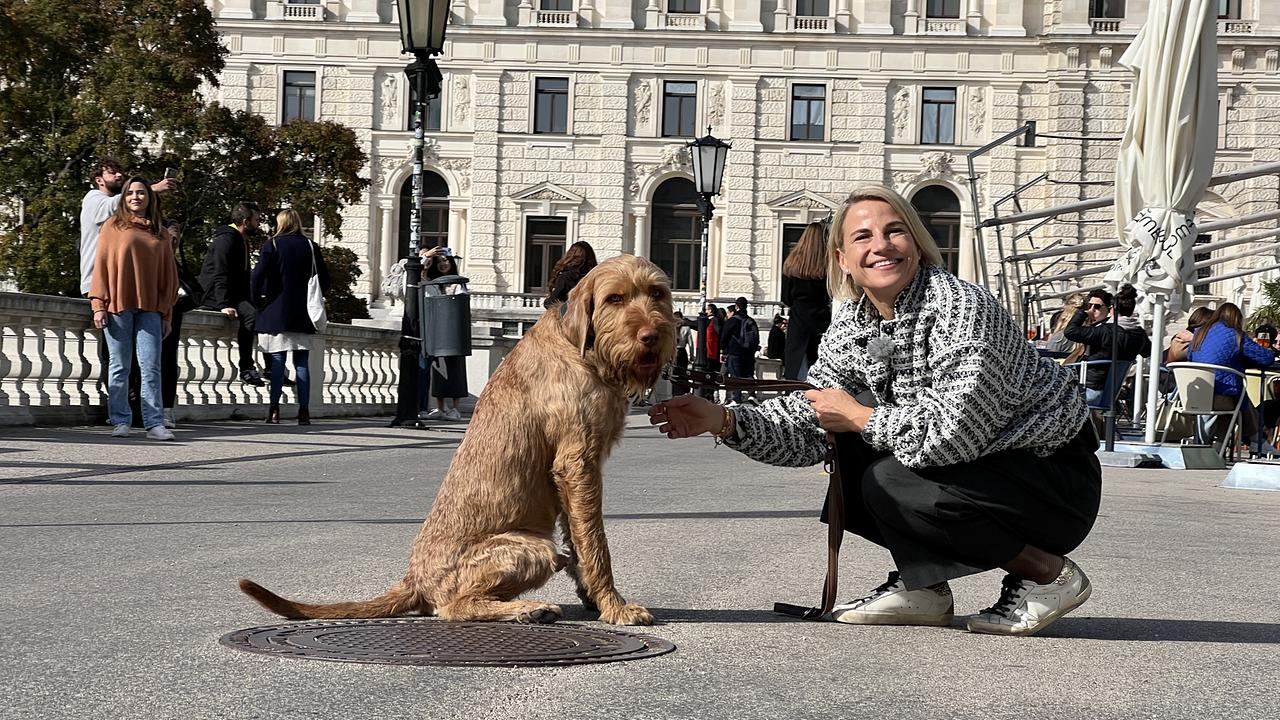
{"points": [[961, 450], [804, 291], [279, 289]]}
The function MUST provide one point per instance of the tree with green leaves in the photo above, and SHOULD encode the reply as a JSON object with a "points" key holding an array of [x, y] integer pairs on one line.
{"points": [[80, 80]]}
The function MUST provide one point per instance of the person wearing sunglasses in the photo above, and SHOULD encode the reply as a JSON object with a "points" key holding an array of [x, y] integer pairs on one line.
{"points": [[1092, 326]]}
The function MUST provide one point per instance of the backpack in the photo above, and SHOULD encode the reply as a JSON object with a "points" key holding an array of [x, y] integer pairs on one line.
{"points": [[749, 335]]}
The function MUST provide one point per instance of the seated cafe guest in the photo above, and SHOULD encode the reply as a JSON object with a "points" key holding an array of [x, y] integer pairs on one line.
{"points": [[961, 450], [1091, 325], [1221, 340]]}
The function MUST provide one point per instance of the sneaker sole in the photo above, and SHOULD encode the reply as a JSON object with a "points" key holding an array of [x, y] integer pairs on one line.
{"points": [[1050, 619], [855, 617]]}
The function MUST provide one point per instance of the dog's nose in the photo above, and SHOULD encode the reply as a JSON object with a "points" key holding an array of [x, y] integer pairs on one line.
{"points": [[648, 336]]}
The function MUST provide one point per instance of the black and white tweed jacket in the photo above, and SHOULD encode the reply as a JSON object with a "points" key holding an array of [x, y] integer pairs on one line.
{"points": [[953, 376]]}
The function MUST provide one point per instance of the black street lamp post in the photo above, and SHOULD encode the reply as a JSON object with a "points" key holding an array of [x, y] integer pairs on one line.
{"points": [[708, 156], [422, 28]]}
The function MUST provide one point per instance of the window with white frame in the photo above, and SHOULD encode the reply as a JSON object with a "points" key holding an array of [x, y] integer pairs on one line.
{"points": [[942, 9], [1228, 9], [938, 116], [299, 96], [813, 8], [1106, 9], [679, 108], [808, 112], [551, 105], [556, 5], [544, 244], [684, 6]]}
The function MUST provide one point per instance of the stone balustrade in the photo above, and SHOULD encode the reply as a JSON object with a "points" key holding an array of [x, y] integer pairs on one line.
{"points": [[1105, 25], [557, 18], [50, 372]]}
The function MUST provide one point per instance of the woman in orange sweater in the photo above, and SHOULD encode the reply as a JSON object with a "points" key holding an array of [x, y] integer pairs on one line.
{"points": [[134, 287]]}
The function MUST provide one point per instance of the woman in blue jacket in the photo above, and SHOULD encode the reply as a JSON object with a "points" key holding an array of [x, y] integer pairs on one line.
{"points": [[279, 287], [1221, 341]]}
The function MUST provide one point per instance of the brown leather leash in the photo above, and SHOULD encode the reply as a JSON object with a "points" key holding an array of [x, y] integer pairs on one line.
{"points": [[689, 379]]}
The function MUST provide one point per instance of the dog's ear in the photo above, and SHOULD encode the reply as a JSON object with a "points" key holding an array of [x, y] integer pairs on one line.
{"points": [[576, 319]]}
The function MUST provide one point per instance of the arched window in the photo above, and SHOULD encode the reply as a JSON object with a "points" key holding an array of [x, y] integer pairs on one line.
{"points": [[675, 240], [435, 212], [939, 208]]}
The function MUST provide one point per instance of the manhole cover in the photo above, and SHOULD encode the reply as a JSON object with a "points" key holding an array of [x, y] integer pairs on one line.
{"points": [[422, 641]]}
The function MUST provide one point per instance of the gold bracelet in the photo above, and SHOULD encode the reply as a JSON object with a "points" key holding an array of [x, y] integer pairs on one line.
{"points": [[726, 427]]}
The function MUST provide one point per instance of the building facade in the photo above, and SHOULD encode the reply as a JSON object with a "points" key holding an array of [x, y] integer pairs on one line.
{"points": [[565, 120]]}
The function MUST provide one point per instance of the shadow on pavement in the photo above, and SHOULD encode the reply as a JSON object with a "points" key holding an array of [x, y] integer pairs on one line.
{"points": [[1159, 630]]}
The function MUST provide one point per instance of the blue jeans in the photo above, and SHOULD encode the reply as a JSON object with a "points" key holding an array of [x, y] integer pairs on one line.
{"points": [[125, 330], [301, 370]]}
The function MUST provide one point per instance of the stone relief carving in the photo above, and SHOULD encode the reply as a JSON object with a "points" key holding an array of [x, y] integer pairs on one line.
{"points": [[675, 156], [804, 201], [977, 111], [636, 175], [462, 168], [546, 194], [389, 103], [384, 170], [901, 112], [715, 105], [936, 164], [644, 98], [461, 98]]}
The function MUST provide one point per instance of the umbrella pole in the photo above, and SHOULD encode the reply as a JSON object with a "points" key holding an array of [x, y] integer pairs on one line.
{"points": [[1157, 353], [1111, 385]]}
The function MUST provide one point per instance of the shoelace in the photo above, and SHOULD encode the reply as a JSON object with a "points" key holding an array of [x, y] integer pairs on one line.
{"points": [[888, 585], [1012, 589]]}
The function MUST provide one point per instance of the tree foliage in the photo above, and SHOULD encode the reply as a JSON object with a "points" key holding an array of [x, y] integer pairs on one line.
{"points": [[342, 305], [79, 80]]}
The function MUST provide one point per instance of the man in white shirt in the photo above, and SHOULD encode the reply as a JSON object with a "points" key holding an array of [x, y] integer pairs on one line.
{"points": [[99, 204]]}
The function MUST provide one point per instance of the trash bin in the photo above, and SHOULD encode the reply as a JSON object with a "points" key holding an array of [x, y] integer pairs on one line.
{"points": [[446, 319]]}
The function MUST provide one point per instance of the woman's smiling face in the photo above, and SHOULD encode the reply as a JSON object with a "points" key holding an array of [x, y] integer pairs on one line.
{"points": [[877, 250]]}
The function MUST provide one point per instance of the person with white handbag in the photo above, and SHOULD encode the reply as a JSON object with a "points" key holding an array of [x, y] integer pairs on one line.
{"points": [[289, 284]]}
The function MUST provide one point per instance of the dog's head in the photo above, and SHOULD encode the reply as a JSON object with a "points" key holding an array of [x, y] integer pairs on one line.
{"points": [[619, 317]]}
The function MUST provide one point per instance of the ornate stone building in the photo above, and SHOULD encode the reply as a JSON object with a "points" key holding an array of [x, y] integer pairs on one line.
{"points": [[564, 120]]}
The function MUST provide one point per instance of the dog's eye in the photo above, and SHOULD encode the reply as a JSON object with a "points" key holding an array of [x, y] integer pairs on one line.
{"points": [[657, 293], [613, 299]]}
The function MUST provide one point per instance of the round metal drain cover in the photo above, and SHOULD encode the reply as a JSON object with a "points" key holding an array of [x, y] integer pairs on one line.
{"points": [[422, 641]]}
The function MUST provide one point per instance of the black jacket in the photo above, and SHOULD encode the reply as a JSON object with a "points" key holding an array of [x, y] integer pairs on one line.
{"points": [[565, 281], [810, 315], [225, 273], [1131, 343], [731, 336], [280, 284]]}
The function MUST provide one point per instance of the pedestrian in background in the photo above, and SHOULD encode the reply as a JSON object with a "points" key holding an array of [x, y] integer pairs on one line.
{"points": [[225, 279], [576, 263], [776, 347], [279, 285], [804, 291], [133, 289], [448, 374]]}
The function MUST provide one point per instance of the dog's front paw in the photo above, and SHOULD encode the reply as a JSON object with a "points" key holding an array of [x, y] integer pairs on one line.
{"points": [[540, 614], [629, 614]]}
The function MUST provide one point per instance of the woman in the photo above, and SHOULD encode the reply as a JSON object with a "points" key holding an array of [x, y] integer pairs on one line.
{"points": [[776, 347], [576, 263], [448, 374], [804, 290], [133, 289], [1221, 340], [1180, 343], [279, 288], [1100, 336], [1057, 341], [960, 449]]}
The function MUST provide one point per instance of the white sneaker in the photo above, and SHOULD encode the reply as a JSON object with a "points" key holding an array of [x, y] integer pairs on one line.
{"points": [[452, 414], [435, 414], [159, 432], [893, 604], [1025, 608], [170, 421], [120, 430]]}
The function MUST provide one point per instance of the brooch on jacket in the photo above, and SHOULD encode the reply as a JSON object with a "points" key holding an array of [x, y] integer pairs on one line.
{"points": [[880, 348]]}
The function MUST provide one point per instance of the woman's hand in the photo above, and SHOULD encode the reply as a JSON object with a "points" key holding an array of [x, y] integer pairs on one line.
{"points": [[686, 416], [165, 327], [430, 252], [837, 411], [100, 319]]}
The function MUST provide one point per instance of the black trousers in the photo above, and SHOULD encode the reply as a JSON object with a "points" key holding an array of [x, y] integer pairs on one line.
{"points": [[246, 336], [950, 521]]}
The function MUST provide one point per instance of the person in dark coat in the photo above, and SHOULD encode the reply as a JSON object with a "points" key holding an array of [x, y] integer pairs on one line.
{"points": [[576, 263], [1131, 342], [279, 284], [225, 279], [776, 348], [448, 374], [804, 291]]}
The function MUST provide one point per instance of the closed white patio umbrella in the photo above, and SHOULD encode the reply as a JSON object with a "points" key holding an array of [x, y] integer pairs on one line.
{"points": [[1166, 158]]}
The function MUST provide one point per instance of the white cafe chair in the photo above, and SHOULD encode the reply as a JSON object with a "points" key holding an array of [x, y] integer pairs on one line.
{"points": [[1195, 398]]}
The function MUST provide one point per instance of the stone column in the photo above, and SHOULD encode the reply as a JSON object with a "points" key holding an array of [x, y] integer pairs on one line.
{"points": [[911, 18], [236, 10], [486, 98], [640, 213], [363, 11], [873, 16], [615, 14], [745, 17], [390, 242], [781, 15]]}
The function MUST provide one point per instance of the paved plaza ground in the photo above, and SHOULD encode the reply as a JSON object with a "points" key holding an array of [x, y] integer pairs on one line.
{"points": [[119, 560]]}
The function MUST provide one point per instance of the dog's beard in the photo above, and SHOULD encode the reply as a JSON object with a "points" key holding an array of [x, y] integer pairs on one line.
{"points": [[637, 368]]}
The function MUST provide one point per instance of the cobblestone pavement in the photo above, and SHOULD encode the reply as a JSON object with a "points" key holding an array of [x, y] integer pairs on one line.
{"points": [[120, 558]]}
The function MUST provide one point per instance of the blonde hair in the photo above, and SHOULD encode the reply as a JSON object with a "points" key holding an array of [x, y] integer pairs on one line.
{"points": [[839, 284], [808, 259], [288, 222]]}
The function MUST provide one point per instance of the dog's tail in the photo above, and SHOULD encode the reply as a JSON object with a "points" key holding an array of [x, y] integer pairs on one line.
{"points": [[399, 600]]}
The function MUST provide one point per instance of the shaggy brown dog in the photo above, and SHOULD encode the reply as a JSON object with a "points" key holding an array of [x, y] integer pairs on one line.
{"points": [[533, 453]]}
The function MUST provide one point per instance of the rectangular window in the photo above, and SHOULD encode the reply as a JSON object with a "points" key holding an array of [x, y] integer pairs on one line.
{"points": [[813, 8], [938, 117], [790, 238], [551, 105], [299, 96], [545, 241], [1107, 9], [684, 6], [679, 109], [1202, 273], [1228, 9], [433, 110], [808, 112], [942, 9], [557, 5]]}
